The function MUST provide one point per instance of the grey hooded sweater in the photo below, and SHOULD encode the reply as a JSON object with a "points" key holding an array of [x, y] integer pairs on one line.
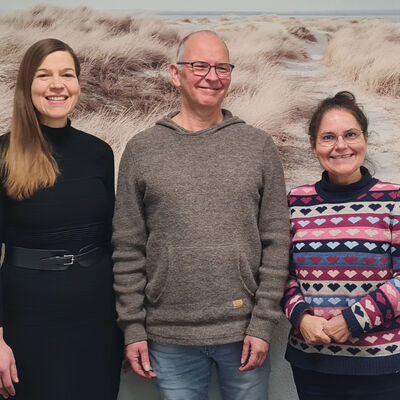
{"points": [[201, 234]]}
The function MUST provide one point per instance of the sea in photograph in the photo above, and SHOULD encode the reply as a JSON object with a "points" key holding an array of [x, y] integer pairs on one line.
{"points": [[392, 16]]}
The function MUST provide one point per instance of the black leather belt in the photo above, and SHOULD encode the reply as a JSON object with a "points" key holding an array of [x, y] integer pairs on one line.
{"points": [[52, 260]]}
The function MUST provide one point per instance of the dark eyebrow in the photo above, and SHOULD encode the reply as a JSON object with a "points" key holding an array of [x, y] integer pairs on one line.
{"points": [[347, 130]]}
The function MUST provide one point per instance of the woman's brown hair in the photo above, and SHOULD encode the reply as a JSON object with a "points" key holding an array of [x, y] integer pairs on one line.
{"points": [[26, 162]]}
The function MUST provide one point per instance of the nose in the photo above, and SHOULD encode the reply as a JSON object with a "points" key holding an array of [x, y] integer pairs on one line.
{"points": [[212, 73], [340, 143], [56, 82]]}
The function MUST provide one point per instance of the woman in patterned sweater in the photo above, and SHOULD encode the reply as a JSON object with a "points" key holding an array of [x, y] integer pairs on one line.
{"points": [[343, 294]]}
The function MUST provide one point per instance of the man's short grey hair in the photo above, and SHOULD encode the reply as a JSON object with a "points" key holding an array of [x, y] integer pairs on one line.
{"points": [[181, 46]]}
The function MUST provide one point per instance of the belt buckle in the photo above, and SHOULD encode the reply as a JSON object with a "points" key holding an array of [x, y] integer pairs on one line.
{"points": [[71, 261]]}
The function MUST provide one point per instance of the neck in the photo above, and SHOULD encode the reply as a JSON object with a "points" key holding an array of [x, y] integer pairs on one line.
{"points": [[54, 123], [198, 120]]}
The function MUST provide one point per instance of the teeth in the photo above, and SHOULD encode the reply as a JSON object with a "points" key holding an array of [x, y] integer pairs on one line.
{"points": [[346, 156], [56, 98]]}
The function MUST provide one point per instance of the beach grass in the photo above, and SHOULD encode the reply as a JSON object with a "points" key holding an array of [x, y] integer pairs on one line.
{"points": [[125, 60], [368, 54]]}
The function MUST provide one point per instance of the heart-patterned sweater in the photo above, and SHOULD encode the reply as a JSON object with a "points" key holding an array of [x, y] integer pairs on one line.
{"points": [[345, 258]]}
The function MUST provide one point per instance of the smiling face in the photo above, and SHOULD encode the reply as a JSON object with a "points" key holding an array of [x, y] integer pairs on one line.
{"points": [[55, 89], [202, 92], [343, 160]]}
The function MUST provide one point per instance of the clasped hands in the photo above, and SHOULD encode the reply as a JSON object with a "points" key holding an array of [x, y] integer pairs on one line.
{"points": [[318, 330]]}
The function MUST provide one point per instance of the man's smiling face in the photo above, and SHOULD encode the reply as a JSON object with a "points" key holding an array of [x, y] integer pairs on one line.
{"points": [[202, 91]]}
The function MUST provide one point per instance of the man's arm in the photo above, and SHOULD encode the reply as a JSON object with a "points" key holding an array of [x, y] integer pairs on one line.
{"points": [[275, 239], [129, 243]]}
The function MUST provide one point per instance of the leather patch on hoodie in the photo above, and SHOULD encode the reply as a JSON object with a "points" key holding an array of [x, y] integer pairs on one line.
{"points": [[237, 303]]}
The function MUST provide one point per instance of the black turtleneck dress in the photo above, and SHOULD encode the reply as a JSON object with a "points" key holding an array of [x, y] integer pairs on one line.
{"points": [[61, 325]]}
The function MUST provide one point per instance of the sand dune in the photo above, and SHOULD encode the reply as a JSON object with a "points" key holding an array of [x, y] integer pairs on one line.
{"points": [[284, 66]]}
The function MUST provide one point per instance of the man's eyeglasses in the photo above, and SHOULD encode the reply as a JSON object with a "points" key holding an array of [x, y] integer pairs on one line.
{"points": [[329, 139], [201, 68]]}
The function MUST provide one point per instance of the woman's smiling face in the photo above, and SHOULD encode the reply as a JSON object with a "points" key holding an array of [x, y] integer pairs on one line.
{"points": [[55, 89], [343, 159]]}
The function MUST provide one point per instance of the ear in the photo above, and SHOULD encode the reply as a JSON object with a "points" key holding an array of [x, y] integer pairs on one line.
{"points": [[366, 137], [175, 75]]}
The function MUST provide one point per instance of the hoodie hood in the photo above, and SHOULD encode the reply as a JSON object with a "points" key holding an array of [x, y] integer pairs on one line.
{"points": [[228, 120]]}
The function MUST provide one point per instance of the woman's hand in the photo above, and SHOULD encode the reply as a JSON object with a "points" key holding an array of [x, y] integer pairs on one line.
{"points": [[312, 330], [8, 369], [337, 329]]}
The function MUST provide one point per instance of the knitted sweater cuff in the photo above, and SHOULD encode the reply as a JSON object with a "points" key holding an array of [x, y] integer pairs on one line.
{"points": [[352, 323], [261, 329], [134, 333], [297, 313]]}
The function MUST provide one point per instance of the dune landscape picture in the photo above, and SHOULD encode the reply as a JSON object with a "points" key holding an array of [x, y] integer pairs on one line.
{"points": [[283, 67]]}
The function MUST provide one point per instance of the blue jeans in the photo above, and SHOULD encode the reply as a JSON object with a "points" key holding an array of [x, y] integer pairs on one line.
{"points": [[183, 372]]}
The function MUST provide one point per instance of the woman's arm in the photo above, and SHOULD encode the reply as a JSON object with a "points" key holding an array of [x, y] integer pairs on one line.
{"points": [[8, 369], [383, 304]]}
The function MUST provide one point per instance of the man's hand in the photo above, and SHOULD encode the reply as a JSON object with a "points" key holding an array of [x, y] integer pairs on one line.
{"points": [[337, 329], [8, 371], [312, 330], [137, 354], [254, 353]]}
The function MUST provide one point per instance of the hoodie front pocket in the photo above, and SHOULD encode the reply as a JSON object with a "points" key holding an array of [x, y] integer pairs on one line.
{"points": [[203, 275]]}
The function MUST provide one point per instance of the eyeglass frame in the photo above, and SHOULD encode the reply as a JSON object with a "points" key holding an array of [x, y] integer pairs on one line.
{"points": [[353, 140], [209, 67]]}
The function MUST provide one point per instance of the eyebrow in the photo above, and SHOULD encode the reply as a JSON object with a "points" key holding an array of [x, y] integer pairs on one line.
{"points": [[347, 130], [63, 69]]}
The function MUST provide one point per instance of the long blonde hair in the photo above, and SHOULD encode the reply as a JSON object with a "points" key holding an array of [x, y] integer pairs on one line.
{"points": [[26, 163]]}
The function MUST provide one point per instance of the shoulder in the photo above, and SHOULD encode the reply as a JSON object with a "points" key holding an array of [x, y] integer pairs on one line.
{"points": [[303, 196], [248, 135], [303, 190], [148, 133], [145, 139], [92, 142], [237, 124], [251, 136], [385, 191], [385, 186]]}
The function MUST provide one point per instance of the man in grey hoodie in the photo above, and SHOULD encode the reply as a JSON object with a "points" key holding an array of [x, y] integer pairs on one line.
{"points": [[201, 238]]}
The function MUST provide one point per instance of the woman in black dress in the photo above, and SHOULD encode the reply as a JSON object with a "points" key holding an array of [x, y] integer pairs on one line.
{"points": [[59, 339]]}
